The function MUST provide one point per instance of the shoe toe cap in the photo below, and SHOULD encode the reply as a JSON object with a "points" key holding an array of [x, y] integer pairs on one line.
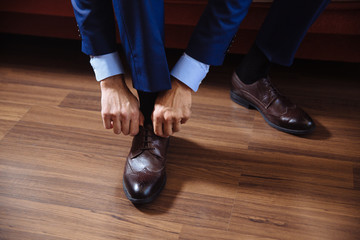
{"points": [[142, 186], [298, 121]]}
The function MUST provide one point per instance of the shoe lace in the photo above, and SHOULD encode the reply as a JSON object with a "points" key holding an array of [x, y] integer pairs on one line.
{"points": [[147, 140], [271, 87], [273, 91]]}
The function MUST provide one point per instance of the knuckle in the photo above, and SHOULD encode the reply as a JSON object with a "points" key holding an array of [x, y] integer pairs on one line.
{"points": [[105, 114], [179, 117], [114, 115], [169, 116], [124, 115], [158, 113], [134, 114], [155, 114], [168, 119], [158, 118]]}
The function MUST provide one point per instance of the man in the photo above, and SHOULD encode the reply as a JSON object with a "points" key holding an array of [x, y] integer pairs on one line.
{"points": [[165, 100]]}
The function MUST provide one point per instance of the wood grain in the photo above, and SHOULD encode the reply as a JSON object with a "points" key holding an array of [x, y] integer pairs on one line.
{"points": [[10, 114], [298, 211], [230, 175]]}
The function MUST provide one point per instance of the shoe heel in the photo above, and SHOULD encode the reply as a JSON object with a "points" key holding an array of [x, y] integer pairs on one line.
{"points": [[240, 100]]}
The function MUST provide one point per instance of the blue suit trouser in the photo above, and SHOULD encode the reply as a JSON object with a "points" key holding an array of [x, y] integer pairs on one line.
{"points": [[279, 36], [141, 27]]}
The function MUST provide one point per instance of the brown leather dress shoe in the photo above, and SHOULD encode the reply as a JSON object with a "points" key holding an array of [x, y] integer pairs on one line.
{"points": [[144, 173], [277, 110]]}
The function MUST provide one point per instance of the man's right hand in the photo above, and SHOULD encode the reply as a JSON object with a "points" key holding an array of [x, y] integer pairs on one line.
{"points": [[119, 107]]}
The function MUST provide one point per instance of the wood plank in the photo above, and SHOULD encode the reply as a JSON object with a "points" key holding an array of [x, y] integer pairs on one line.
{"points": [[12, 111], [297, 168], [56, 78], [5, 126], [193, 159], [65, 117], [189, 232], [356, 176], [59, 76], [82, 100], [73, 139], [19, 234], [291, 210], [76, 223], [10, 114], [15, 93], [339, 145]]}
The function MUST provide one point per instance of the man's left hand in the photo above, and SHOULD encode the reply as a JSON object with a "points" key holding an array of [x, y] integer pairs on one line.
{"points": [[172, 108]]}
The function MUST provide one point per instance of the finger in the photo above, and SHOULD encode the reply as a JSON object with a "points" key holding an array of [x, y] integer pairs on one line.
{"points": [[106, 121], [176, 126], [134, 126], [168, 128], [184, 120], [116, 125], [158, 128], [125, 126], [186, 116]]}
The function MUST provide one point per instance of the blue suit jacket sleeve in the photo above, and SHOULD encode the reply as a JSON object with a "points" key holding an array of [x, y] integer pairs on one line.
{"points": [[95, 19]]}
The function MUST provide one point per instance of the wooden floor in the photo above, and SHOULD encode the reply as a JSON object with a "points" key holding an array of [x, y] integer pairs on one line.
{"points": [[230, 175]]}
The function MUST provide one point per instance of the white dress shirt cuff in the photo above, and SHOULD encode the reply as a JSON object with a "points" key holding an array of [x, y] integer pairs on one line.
{"points": [[106, 65], [190, 71]]}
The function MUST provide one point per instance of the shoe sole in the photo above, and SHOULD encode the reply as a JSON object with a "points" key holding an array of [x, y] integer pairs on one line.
{"points": [[243, 102], [137, 201]]}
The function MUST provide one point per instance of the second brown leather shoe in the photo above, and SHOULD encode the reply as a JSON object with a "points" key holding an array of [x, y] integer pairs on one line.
{"points": [[144, 173], [278, 111]]}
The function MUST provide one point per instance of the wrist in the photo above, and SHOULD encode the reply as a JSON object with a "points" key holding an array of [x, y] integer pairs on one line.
{"points": [[176, 83], [116, 81]]}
